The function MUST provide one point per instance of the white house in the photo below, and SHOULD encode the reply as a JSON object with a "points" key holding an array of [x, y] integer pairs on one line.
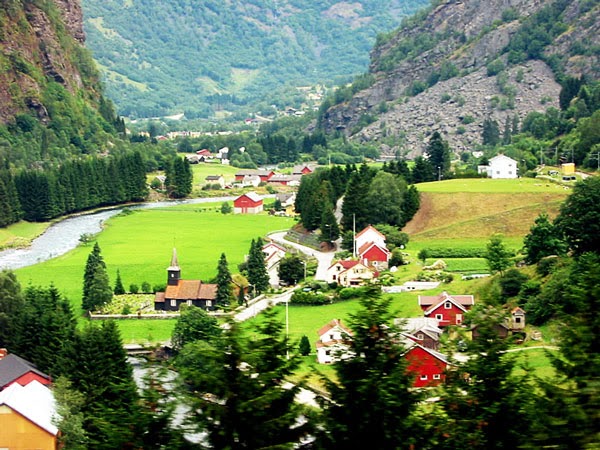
{"points": [[501, 166], [369, 234], [334, 342], [273, 255]]}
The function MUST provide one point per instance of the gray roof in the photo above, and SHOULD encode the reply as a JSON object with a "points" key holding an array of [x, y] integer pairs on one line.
{"points": [[13, 367]]}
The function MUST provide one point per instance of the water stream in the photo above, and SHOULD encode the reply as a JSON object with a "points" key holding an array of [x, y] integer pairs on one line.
{"points": [[63, 236]]}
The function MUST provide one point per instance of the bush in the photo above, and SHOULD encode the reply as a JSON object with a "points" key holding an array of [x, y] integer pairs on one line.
{"points": [[134, 288], [495, 67], [309, 298], [146, 288], [348, 293]]}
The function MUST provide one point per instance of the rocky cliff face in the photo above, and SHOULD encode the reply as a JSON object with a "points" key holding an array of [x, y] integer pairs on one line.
{"points": [[41, 42], [464, 36]]}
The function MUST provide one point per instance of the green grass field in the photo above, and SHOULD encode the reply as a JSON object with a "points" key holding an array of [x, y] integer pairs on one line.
{"points": [[490, 186], [140, 245], [21, 234]]}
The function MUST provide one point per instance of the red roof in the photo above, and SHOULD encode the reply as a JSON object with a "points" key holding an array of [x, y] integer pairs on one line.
{"points": [[334, 323], [190, 290], [346, 263], [430, 300]]}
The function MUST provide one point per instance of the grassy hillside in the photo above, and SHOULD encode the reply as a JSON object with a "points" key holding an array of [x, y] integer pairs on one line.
{"points": [[474, 209], [162, 57]]}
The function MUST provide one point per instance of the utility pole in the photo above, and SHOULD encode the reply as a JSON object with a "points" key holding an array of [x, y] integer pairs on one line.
{"points": [[439, 173]]}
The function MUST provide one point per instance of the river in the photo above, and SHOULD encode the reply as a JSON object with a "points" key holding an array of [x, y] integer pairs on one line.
{"points": [[63, 236]]}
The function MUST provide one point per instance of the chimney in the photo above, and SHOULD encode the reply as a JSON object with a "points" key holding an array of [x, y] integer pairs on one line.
{"points": [[3, 352]]}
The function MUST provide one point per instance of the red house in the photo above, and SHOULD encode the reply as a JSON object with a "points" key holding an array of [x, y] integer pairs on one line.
{"points": [[428, 366], [265, 175], [249, 203], [14, 369], [447, 309], [374, 255]]}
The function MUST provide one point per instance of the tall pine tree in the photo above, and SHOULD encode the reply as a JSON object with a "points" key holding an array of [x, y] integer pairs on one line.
{"points": [[224, 283]]}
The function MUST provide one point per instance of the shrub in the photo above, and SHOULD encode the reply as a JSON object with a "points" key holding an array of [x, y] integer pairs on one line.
{"points": [[134, 288], [309, 298], [146, 288]]}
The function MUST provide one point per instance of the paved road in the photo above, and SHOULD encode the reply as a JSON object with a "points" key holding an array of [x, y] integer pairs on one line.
{"points": [[324, 258], [260, 304]]}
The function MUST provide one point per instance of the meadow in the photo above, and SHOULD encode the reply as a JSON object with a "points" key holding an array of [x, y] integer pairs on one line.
{"points": [[140, 243]]}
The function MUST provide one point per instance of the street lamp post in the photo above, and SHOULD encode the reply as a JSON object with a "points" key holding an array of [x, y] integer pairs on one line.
{"points": [[287, 328]]}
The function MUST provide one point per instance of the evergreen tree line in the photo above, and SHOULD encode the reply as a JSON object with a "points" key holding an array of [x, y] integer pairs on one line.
{"points": [[178, 177], [370, 196], [74, 186]]}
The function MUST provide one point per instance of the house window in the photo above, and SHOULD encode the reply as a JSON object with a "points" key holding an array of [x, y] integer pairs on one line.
{"points": [[517, 319], [459, 318], [423, 377], [331, 337], [173, 302], [328, 352], [189, 302], [436, 376], [420, 336], [448, 305], [439, 317], [208, 302]]}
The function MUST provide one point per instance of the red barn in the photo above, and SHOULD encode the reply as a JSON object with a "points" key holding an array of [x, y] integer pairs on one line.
{"points": [[447, 309], [427, 365], [249, 203], [265, 175], [14, 369]]}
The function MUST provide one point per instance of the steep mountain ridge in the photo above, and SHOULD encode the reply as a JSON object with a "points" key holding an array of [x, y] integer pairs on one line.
{"points": [[38, 46], [201, 58], [456, 62]]}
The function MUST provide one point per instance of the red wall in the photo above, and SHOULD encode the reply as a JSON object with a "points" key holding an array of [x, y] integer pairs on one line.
{"points": [[448, 315], [421, 362], [245, 202], [375, 254], [27, 378]]}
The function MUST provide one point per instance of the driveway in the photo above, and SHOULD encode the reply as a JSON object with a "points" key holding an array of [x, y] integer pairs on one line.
{"points": [[324, 258]]}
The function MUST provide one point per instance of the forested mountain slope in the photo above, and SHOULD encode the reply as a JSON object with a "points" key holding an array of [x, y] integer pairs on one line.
{"points": [[200, 57], [451, 67]]}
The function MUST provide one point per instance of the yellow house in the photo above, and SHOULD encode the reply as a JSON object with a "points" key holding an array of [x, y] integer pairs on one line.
{"points": [[26, 414], [568, 168]]}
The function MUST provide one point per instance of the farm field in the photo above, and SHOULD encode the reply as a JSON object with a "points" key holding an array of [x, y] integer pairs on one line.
{"points": [[21, 233], [139, 244]]}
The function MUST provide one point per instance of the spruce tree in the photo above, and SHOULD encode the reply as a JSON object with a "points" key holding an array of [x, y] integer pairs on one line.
{"points": [[224, 286], [438, 153], [236, 388], [119, 288], [98, 369], [11, 302], [257, 269], [96, 288], [371, 402], [330, 230]]}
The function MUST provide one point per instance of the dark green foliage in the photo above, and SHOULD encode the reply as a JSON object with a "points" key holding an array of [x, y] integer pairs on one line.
{"points": [[393, 236], [44, 327], [385, 198], [485, 406], [224, 283], [11, 301], [511, 283], [291, 270], [309, 298], [69, 404], [447, 252], [80, 185], [179, 177], [194, 324], [330, 230], [355, 208], [10, 206], [438, 152], [226, 208], [397, 258], [423, 171], [98, 369], [491, 132], [257, 270], [134, 288], [119, 289], [371, 402], [304, 346], [544, 239], [570, 407], [579, 218], [96, 288], [236, 388]]}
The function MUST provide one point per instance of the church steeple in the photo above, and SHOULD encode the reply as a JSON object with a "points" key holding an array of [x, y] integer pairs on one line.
{"points": [[173, 271]]}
